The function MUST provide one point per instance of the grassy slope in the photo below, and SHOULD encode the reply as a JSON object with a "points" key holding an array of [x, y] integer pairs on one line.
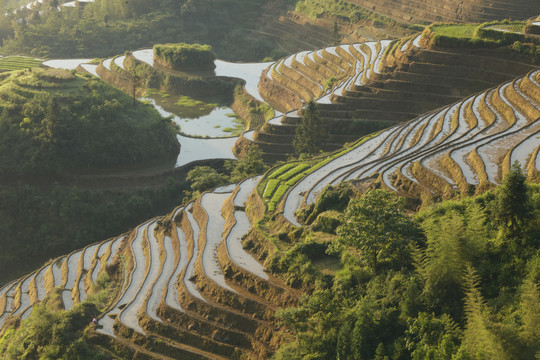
{"points": [[53, 121]]}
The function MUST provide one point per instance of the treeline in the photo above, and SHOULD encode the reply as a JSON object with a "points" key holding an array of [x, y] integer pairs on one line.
{"points": [[53, 121], [459, 280], [109, 27]]}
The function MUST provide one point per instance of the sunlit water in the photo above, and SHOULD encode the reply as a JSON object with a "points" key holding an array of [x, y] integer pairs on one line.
{"points": [[212, 125], [219, 122]]}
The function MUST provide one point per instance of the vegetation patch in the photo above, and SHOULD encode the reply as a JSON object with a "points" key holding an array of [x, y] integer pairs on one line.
{"points": [[189, 105], [488, 35], [184, 56], [287, 175], [82, 123], [10, 63], [458, 280], [55, 334], [455, 30]]}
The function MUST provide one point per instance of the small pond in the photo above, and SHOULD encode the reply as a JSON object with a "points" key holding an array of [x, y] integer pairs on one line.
{"points": [[197, 118]]}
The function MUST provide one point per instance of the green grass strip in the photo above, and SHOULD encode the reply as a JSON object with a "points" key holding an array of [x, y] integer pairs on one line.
{"points": [[297, 169], [295, 179], [294, 172], [282, 189], [270, 187], [281, 170]]}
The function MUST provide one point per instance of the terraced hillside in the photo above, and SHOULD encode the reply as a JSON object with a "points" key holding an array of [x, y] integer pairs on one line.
{"points": [[188, 289], [361, 88], [465, 147], [450, 10]]}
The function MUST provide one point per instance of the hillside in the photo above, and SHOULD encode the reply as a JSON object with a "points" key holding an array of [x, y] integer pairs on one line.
{"points": [[185, 287], [56, 121], [361, 88], [398, 218]]}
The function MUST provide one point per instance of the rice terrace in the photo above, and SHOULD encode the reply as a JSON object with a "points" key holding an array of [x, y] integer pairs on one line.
{"points": [[256, 179]]}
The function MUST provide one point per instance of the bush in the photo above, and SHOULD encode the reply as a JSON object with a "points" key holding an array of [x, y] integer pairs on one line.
{"points": [[327, 222], [181, 56]]}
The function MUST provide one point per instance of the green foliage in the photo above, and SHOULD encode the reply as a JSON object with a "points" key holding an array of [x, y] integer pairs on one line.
{"points": [[278, 194], [490, 35], [296, 263], [190, 105], [376, 225], [481, 340], [270, 188], [341, 9], [106, 28], [455, 30], [527, 49], [10, 63], [281, 170], [512, 207], [332, 198], [431, 303], [432, 337], [179, 56], [79, 123], [52, 334], [204, 178], [250, 164], [294, 171], [310, 134], [282, 179], [327, 222]]}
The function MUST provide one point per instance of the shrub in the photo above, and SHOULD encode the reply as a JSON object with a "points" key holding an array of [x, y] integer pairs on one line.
{"points": [[327, 222], [185, 55]]}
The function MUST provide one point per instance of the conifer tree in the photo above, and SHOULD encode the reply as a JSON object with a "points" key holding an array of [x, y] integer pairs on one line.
{"points": [[480, 341], [530, 310], [512, 208], [310, 134]]}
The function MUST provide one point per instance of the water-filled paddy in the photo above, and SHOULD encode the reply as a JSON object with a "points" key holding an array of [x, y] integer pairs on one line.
{"points": [[196, 117], [209, 127]]}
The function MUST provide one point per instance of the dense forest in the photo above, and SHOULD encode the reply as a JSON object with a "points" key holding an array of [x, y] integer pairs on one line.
{"points": [[106, 28], [53, 121]]}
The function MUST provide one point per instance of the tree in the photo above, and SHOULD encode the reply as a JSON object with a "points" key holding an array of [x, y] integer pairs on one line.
{"points": [[310, 134], [335, 38], [480, 338], [204, 177], [512, 208], [136, 82], [249, 164], [377, 226]]}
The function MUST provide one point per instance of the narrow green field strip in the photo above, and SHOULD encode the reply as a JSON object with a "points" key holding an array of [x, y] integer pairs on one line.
{"points": [[292, 172], [276, 173], [270, 187], [10, 63]]}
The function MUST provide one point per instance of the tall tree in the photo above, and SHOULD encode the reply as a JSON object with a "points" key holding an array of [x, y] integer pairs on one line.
{"points": [[310, 134], [376, 225], [480, 340], [249, 164], [512, 208]]}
